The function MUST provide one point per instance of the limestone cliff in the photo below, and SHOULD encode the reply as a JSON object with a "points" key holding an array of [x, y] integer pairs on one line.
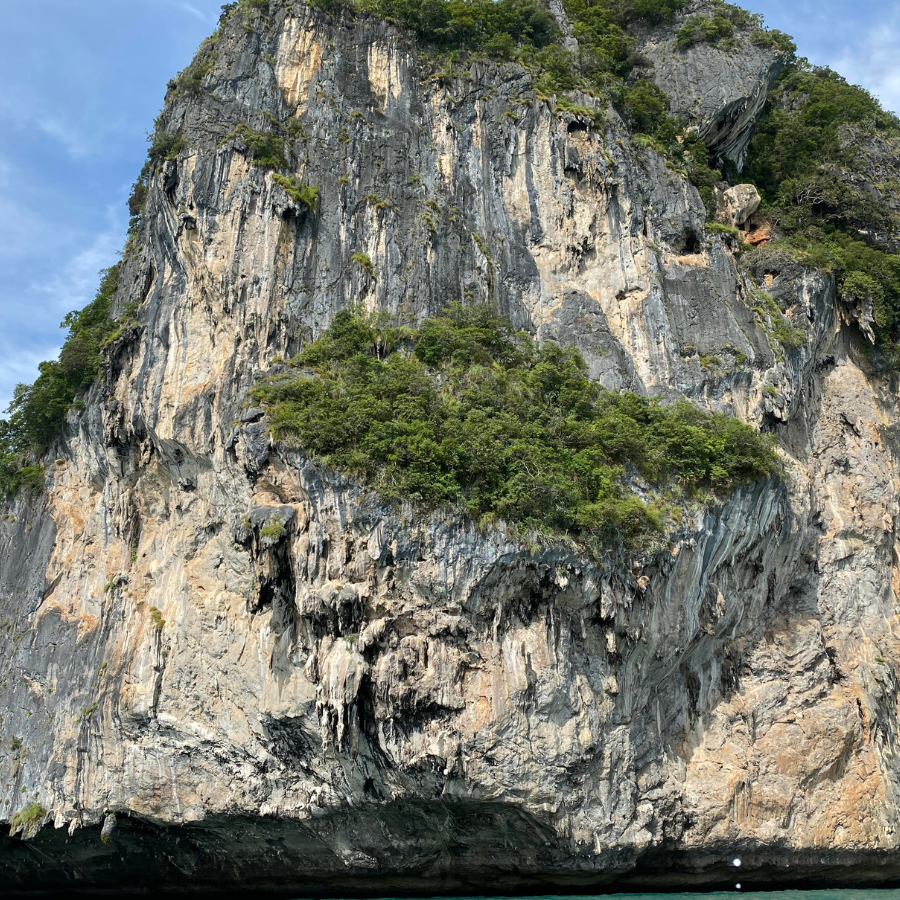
{"points": [[373, 698]]}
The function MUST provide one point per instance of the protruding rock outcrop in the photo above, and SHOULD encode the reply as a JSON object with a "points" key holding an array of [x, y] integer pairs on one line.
{"points": [[719, 89], [738, 204]]}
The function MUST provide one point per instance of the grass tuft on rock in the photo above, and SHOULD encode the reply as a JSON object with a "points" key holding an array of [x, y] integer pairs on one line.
{"points": [[264, 149], [304, 194], [27, 821]]}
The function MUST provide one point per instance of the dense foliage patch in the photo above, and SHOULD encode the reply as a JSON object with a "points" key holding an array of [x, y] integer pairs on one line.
{"points": [[464, 412], [300, 192], [524, 30], [496, 28], [720, 28], [809, 160], [703, 30], [38, 410]]}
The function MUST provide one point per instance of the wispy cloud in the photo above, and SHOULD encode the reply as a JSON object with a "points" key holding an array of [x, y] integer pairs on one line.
{"points": [[873, 62], [81, 84], [76, 283], [76, 141], [30, 114], [71, 288], [192, 10]]}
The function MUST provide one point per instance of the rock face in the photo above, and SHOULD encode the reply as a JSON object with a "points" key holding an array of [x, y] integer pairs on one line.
{"points": [[716, 90], [877, 159], [366, 697]]}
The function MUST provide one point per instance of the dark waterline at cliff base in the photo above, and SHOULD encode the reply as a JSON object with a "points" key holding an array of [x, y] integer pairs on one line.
{"points": [[827, 894]]}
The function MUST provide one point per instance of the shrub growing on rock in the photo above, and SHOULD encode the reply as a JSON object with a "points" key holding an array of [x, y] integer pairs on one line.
{"points": [[38, 410], [464, 412], [701, 30], [300, 192], [28, 820], [812, 160]]}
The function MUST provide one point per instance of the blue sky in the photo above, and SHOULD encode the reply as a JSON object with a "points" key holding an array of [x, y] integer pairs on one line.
{"points": [[80, 86]]}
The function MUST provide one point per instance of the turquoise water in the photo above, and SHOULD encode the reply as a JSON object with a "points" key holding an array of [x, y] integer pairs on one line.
{"points": [[840, 894]]}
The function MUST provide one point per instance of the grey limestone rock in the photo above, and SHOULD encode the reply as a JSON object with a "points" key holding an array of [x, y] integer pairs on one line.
{"points": [[738, 204], [718, 90]]}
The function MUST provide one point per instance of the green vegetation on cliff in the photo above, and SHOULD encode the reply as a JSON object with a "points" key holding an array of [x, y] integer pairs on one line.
{"points": [[38, 410], [721, 28], [28, 820], [300, 192], [605, 64], [812, 161], [520, 30], [266, 150], [524, 30], [496, 27], [463, 412]]}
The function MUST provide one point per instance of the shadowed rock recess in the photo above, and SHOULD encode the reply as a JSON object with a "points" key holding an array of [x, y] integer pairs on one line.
{"points": [[225, 667]]}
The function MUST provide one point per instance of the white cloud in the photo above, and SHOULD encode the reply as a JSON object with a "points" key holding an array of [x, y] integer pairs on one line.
{"points": [[76, 142], [77, 283], [74, 287], [27, 112], [872, 62], [194, 12]]}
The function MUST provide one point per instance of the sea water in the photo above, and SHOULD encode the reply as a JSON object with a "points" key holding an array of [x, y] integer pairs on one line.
{"points": [[837, 894]]}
